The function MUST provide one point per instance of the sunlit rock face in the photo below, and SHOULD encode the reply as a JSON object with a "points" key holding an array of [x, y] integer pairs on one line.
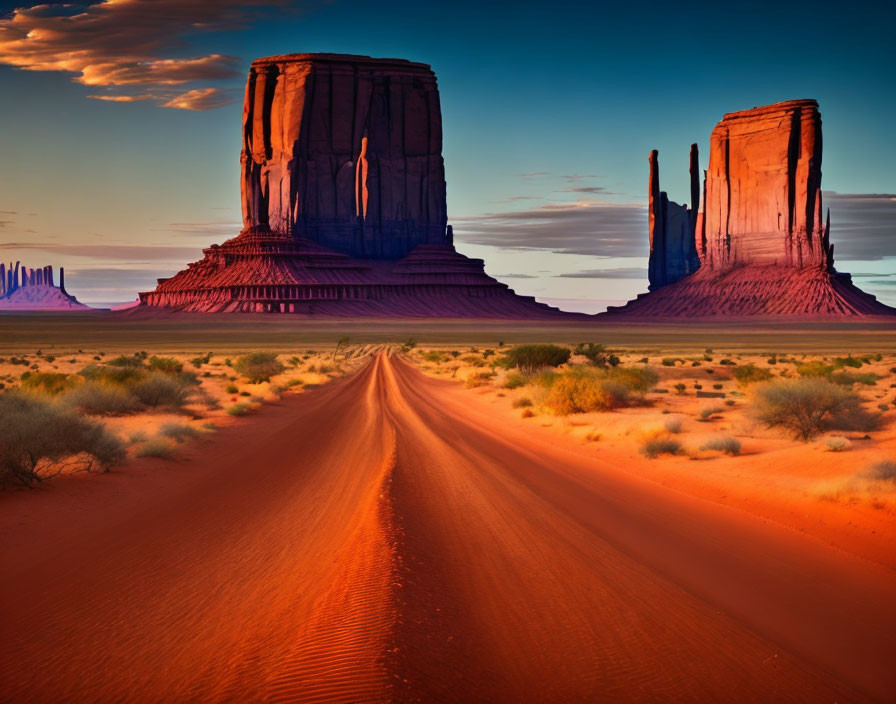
{"points": [[345, 151], [761, 242], [343, 195], [763, 190]]}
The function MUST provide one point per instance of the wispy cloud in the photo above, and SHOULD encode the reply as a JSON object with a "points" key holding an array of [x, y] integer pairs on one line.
{"points": [[588, 189], [619, 273], [200, 99], [124, 43], [603, 229], [863, 225]]}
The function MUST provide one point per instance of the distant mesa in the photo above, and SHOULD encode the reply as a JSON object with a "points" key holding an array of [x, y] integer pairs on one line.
{"points": [[27, 289], [761, 244], [343, 199]]}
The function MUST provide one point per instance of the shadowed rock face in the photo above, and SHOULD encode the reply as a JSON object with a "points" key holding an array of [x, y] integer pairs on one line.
{"points": [[343, 193], [345, 151], [761, 239]]}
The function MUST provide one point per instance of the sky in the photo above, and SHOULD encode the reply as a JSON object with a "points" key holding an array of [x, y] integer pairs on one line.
{"points": [[120, 125]]}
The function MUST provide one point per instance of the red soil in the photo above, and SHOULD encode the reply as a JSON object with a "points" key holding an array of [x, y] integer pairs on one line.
{"points": [[372, 540]]}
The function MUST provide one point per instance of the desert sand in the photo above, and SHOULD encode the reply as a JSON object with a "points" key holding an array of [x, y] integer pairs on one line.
{"points": [[394, 537]]}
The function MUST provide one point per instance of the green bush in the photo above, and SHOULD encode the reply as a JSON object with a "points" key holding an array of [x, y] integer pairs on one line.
{"points": [[100, 399], [585, 389], [203, 359], [849, 361], [231, 389], [433, 356], [514, 381], [805, 406], [597, 355], [133, 361], [530, 358], [707, 412], [39, 439], [239, 409], [168, 365], [522, 402], [161, 389], [661, 446], [847, 378], [668, 361], [723, 443], [258, 366], [747, 374], [815, 369]]}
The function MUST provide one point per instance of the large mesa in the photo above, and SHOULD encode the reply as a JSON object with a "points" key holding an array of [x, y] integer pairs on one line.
{"points": [[761, 245], [343, 199]]}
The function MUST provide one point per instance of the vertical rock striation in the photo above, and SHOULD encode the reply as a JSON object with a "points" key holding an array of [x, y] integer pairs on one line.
{"points": [[761, 243], [343, 197], [345, 151]]}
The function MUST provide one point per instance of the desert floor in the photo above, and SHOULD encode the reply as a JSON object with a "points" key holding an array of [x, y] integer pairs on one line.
{"points": [[386, 530]]}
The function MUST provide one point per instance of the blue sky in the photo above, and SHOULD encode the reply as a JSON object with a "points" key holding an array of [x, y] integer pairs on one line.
{"points": [[549, 114]]}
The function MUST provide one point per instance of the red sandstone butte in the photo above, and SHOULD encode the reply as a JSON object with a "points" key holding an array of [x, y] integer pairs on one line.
{"points": [[762, 240], [343, 197]]}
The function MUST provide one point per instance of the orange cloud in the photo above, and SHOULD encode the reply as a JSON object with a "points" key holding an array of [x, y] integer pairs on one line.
{"points": [[199, 99], [123, 42]]}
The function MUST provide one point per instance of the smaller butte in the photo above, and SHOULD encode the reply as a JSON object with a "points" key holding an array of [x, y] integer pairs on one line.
{"points": [[761, 244]]}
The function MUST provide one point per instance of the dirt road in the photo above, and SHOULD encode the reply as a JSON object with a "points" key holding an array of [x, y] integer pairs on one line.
{"points": [[385, 539]]}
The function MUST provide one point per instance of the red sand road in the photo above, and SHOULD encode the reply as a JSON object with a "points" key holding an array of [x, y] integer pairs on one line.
{"points": [[384, 539]]}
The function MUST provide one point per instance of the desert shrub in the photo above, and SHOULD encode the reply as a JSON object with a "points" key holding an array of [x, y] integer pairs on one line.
{"points": [[680, 388], [132, 361], [202, 359], [597, 355], [514, 381], [239, 409], [258, 366], [849, 361], [848, 378], [231, 389], [51, 383], [138, 436], [168, 365], [478, 379], [655, 447], [836, 444], [522, 402], [433, 356], [161, 389], [668, 361], [723, 443], [805, 406], [530, 358], [882, 471], [324, 369], [527, 413], [638, 379], [178, 431], [727, 363], [747, 374], [673, 425], [815, 369], [156, 447], [583, 390], [100, 399], [708, 412], [39, 439]]}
